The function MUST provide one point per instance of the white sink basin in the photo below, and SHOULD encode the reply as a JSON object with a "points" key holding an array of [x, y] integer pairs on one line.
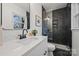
{"points": [[25, 41]]}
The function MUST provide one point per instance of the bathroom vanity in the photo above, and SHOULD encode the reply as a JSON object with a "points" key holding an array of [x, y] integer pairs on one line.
{"points": [[33, 46]]}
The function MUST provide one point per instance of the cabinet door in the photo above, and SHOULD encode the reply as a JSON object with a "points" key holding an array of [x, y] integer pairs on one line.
{"points": [[39, 50]]}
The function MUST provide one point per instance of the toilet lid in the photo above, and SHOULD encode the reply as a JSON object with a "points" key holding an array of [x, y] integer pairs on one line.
{"points": [[50, 45]]}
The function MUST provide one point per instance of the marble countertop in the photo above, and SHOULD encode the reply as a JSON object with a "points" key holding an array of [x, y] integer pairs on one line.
{"points": [[19, 47]]}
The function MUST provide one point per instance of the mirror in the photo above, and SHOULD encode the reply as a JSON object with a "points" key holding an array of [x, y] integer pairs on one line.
{"points": [[16, 15], [21, 22]]}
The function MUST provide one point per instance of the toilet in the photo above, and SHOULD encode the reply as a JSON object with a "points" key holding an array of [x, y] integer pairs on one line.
{"points": [[51, 48]]}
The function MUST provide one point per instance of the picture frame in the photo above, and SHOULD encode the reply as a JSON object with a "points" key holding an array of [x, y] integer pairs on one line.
{"points": [[37, 21]]}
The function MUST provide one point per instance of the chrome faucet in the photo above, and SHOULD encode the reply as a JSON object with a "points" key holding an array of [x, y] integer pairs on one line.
{"points": [[23, 35]]}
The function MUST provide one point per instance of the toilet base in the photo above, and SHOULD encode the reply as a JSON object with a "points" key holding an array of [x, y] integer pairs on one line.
{"points": [[50, 53]]}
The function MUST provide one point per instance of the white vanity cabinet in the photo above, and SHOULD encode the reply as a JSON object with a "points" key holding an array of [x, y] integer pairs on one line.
{"points": [[38, 50]]}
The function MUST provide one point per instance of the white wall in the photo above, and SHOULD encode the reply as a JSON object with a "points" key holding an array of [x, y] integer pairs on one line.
{"points": [[0, 14], [0, 36], [9, 35], [49, 14], [0, 27], [75, 42], [35, 9], [75, 19], [75, 29], [8, 10]]}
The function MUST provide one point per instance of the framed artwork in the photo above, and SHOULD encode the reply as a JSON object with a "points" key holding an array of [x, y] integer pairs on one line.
{"points": [[37, 20]]}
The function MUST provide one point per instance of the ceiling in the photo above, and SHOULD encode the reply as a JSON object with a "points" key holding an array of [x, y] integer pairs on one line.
{"points": [[47, 6], [25, 6], [53, 6]]}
